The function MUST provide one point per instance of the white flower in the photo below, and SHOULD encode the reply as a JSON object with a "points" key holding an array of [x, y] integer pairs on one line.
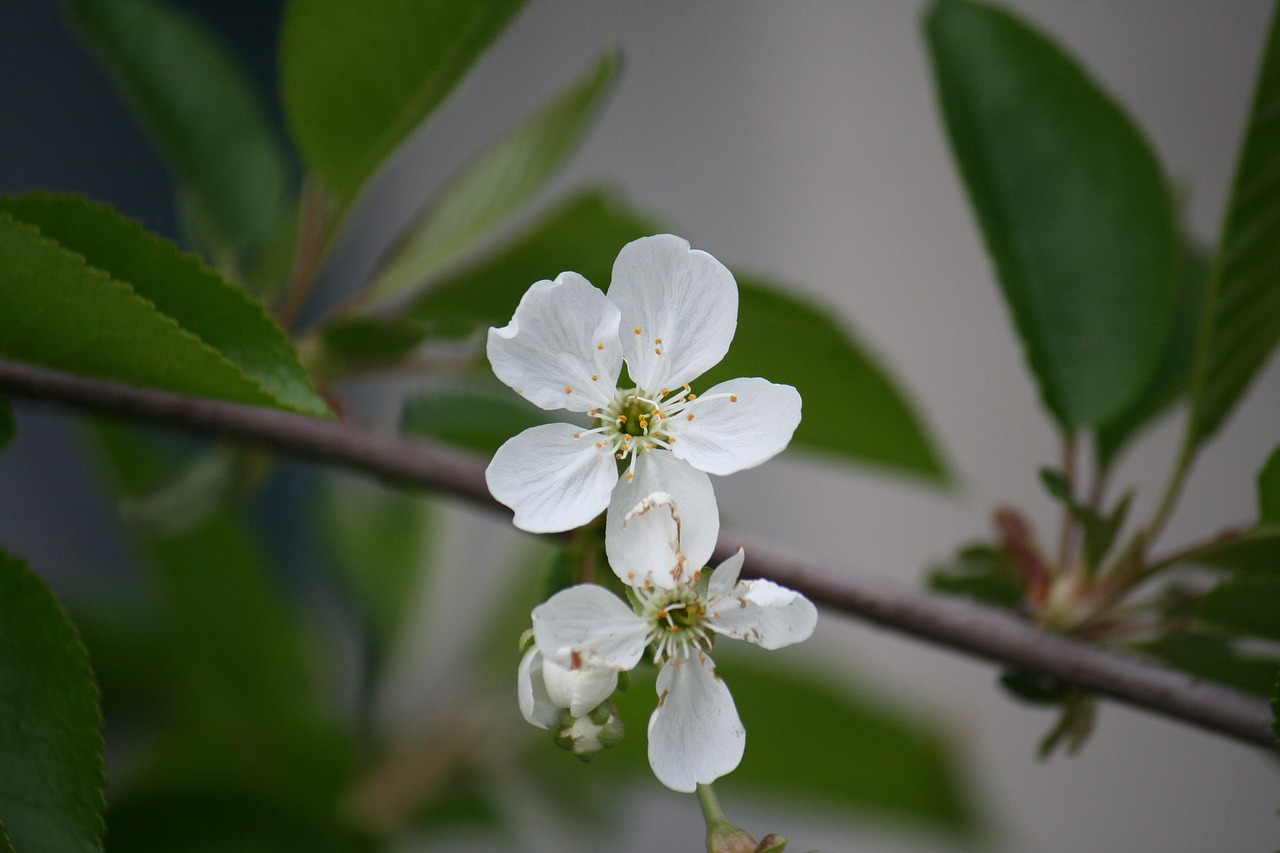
{"points": [[545, 689], [670, 315], [695, 735]]}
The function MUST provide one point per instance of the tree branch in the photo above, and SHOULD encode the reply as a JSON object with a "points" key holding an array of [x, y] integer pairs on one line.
{"points": [[978, 630]]}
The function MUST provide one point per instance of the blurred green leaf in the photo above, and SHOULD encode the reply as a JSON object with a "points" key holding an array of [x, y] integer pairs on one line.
{"points": [[194, 821], [8, 426], [583, 233], [1241, 322], [1269, 490], [1173, 375], [854, 755], [50, 741], [853, 408], [1248, 603], [1035, 688], [355, 85], [1072, 203], [1099, 530], [88, 291], [470, 419], [379, 539], [1275, 710], [495, 183], [200, 108], [980, 572], [1256, 550], [244, 710], [1213, 656], [1074, 726], [371, 340]]}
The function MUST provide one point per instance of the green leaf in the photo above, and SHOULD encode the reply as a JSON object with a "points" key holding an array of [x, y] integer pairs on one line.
{"points": [[855, 754], [200, 108], [1275, 710], [495, 183], [243, 710], [1248, 603], [1269, 490], [1173, 375], [1072, 203], [371, 340], [379, 539], [470, 419], [355, 85], [1213, 656], [980, 572], [1241, 321], [92, 292], [50, 741], [853, 408], [8, 426], [582, 233], [194, 821], [1256, 550]]}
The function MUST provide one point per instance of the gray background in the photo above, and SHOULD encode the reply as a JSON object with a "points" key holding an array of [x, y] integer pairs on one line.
{"points": [[802, 140]]}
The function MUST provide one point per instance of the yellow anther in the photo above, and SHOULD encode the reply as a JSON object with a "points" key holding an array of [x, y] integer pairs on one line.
{"points": [[591, 413], [693, 396], [617, 455], [594, 378], [637, 330], [657, 350], [568, 390], [664, 392], [630, 475], [599, 346], [657, 340], [599, 444], [622, 419], [689, 416], [672, 628], [733, 398], [577, 435], [671, 439]]}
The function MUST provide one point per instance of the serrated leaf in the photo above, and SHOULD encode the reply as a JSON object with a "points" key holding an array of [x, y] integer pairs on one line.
{"points": [[470, 419], [355, 85], [582, 233], [1241, 322], [8, 426], [88, 291], [495, 183], [1173, 375], [1247, 603], [50, 741], [1072, 204], [1213, 656], [1269, 490], [199, 107]]}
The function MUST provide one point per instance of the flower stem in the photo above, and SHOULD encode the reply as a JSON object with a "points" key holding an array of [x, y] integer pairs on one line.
{"points": [[711, 811]]}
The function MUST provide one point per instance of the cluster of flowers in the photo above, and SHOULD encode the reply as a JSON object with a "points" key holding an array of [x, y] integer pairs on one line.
{"points": [[643, 456]]}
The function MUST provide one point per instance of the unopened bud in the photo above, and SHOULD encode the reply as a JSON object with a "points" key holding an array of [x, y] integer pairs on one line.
{"points": [[724, 837], [584, 736]]}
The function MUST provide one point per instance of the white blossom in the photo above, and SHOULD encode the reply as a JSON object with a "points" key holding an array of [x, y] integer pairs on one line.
{"points": [[670, 315], [695, 735]]}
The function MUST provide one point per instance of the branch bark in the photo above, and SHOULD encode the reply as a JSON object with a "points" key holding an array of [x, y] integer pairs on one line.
{"points": [[978, 630]]}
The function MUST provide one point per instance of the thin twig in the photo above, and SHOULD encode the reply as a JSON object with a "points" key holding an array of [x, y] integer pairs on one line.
{"points": [[976, 629]]}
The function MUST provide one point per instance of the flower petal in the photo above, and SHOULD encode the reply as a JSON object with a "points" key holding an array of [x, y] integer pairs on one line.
{"points": [[646, 546], [736, 425], [579, 690], [694, 734], [561, 349], [679, 310], [535, 703], [764, 613], [552, 478], [695, 500], [586, 626], [725, 577]]}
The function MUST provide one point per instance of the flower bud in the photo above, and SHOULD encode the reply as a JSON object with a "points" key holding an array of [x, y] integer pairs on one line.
{"points": [[584, 736]]}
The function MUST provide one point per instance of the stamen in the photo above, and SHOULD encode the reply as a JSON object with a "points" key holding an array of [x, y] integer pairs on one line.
{"points": [[733, 398], [689, 416], [637, 330], [599, 346], [568, 390], [595, 378]]}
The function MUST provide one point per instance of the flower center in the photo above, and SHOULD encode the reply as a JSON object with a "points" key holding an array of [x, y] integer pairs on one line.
{"points": [[677, 620], [634, 422]]}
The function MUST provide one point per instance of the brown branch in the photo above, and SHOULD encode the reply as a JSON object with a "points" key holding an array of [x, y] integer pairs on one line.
{"points": [[978, 630]]}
